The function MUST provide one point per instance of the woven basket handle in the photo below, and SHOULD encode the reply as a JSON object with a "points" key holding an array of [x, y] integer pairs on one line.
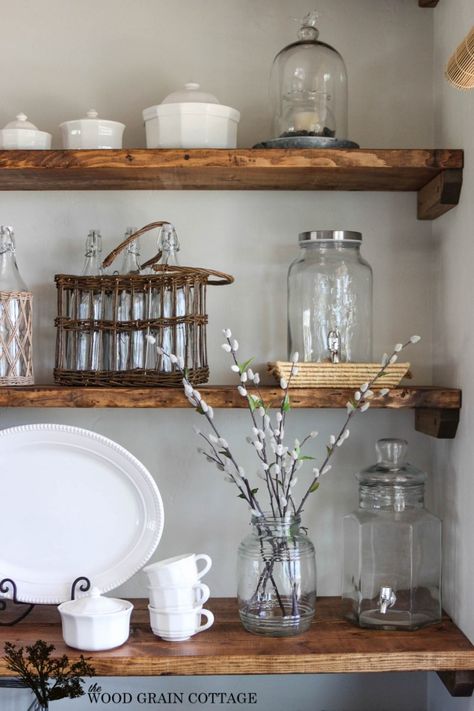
{"points": [[115, 252], [222, 277]]}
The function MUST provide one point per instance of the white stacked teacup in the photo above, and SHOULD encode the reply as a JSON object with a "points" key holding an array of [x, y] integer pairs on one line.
{"points": [[177, 596]]}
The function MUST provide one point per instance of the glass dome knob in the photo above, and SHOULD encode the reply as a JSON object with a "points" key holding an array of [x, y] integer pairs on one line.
{"points": [[309, 30], [391, 452]]}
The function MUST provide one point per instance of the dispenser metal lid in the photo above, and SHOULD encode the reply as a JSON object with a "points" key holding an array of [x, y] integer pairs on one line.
{"points": [[329, 236]]}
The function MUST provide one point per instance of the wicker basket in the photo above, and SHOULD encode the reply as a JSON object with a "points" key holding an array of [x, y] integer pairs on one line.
{"points": [[338, 375], [103, 322]]}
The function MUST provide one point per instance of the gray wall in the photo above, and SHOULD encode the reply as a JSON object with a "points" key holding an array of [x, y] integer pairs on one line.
{"points": [[120, 56]]}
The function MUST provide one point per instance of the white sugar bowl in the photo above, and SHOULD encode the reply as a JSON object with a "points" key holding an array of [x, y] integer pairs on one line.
{"points": [[191, 118], [91, 132], [23, 135], [94, 622]]}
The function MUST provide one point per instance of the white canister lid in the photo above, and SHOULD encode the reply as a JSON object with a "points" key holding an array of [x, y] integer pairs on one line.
{"points": [[21, 122], [190, 94], [92, 115], [94, 604]]}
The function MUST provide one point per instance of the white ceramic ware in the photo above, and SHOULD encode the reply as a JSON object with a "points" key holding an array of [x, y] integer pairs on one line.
{"points": [[178, 598], [23, 135], [73, 503], [191, 118], [181, 570], [179, 625], [91, 132], [94, 623]]}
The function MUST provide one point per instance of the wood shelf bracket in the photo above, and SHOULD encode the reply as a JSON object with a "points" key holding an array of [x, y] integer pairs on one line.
{"points": [[458, 683], [440, 194], [437, 422]]}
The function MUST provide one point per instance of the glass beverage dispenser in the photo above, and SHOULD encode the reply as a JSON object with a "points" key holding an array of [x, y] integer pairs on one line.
{"points": [[392, 547], [330, 299]]}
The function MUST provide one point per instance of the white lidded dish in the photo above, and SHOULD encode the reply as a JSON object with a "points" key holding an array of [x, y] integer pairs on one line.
{"points": [[91, 132], [94, 623], [21, 134], [191, 118]]}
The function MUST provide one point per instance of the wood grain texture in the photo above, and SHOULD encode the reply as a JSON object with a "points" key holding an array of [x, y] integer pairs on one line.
{"points": [[241, 169], [435, 422], [458, 683], [331, 645], [225, 396], [441, 194]]}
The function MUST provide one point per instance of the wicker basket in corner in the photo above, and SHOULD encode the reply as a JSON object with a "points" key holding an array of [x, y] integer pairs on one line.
{"points": [[109, 345], [338, 375]]}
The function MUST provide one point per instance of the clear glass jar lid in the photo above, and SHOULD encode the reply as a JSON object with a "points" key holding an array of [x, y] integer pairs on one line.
{"points": [[391, 468], [329, 236]]}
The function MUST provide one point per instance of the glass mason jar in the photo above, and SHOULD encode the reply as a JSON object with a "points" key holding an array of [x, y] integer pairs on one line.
{"points": [[392, 547], [276, 577], [330, 299], [309, 87]]}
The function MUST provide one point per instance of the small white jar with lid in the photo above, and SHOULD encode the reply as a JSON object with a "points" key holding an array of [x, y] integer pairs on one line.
{"points": [[191, 118], [91, 132], [21, 134], [94, 622]]}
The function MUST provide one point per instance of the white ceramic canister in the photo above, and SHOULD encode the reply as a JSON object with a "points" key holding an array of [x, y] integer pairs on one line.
{"points": [[23, 135], [191, 118], [94, 623], [91, 132]]}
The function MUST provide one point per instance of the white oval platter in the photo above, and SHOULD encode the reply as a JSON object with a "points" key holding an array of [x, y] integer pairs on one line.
{"points": [[73, 503]]}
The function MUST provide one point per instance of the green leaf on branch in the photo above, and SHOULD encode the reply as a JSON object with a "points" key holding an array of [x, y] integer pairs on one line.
{"points": [[199, 410], [286, 406], [314, 486], [329, 449], [305, 458], [225, 453], [243, 496], [243, 366], [254, 402]]}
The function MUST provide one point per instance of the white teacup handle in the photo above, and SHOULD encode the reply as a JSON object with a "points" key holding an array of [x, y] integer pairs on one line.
{"points": [[202, 593], [207, 567], [210, 621]]}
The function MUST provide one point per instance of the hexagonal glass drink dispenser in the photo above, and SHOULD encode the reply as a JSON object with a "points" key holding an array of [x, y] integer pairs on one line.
{"points": [[392, 547]]}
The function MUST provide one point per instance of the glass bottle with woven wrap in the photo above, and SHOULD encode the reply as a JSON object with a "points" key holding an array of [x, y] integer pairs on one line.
{"points": [[330, 299], [89, 308], [131, 346], [172, 304], [16, 365], [392, 547]]}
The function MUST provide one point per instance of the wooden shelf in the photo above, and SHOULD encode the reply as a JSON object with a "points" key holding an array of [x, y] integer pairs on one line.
{"points": [[436, 409], [331, 645], [435, 174]]}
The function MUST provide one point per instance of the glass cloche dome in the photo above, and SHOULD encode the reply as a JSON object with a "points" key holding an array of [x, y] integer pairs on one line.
{"points": [[309, 92]]}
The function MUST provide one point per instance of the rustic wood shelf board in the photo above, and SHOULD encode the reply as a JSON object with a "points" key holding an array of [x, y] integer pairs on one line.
{"points": [[240, 169], [224, 396], [332, 645]]}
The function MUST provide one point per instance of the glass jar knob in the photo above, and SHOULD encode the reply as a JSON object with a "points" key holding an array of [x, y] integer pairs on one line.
{"points": [[391, 452]]}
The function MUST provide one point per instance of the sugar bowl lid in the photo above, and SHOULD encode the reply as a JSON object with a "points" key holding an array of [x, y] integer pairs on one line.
{"points": [[22, 123], [93, 604], [190, 94]]}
